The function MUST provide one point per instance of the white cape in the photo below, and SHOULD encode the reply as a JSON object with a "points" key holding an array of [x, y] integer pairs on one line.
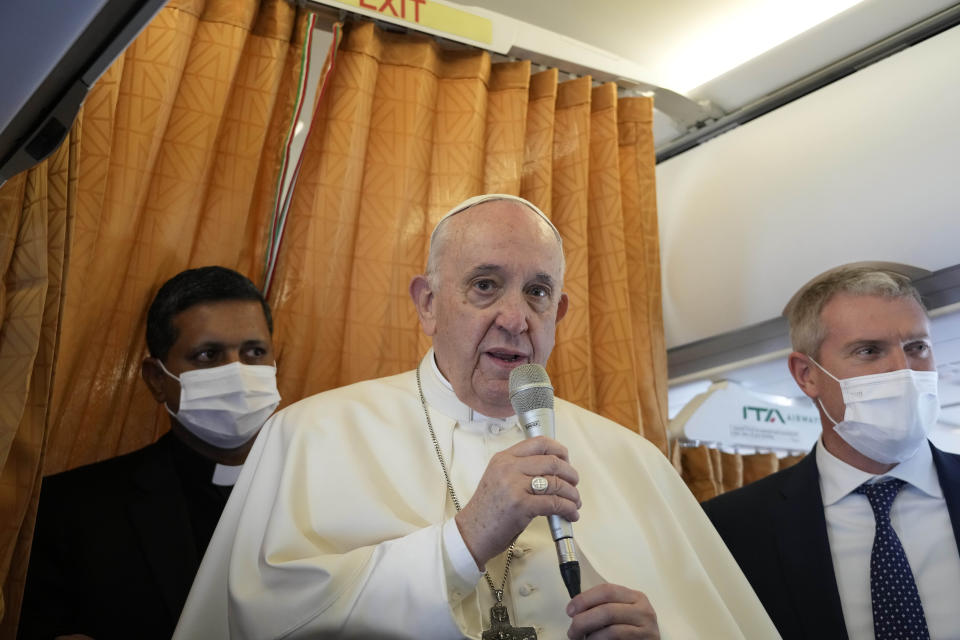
{"points": [[334, 529]]}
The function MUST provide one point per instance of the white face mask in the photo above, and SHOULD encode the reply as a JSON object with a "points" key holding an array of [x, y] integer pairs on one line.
{"points": [[224, 406], [888, 415]]}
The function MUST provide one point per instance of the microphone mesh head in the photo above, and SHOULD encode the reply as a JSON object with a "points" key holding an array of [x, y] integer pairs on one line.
{"points": [[530, 388]]}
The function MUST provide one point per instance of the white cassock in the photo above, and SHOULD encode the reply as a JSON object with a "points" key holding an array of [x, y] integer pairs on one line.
{"points": [[340, 527]]}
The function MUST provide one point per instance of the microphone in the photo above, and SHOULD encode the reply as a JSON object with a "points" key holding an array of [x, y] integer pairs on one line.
{"points": [[531, 396]]}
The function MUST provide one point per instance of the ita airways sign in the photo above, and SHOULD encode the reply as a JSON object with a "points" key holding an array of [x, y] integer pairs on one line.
{"points": [[728, 415]]}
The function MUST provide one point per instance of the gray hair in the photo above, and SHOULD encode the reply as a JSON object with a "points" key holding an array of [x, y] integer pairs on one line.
{"points": [[438, 238], [803, 311]]}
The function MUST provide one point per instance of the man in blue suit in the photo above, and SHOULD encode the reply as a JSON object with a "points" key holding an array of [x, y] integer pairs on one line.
{"points": [[859, 539]]}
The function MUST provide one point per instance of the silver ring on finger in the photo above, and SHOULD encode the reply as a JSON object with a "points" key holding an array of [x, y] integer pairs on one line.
{"points": [[539, 484]]}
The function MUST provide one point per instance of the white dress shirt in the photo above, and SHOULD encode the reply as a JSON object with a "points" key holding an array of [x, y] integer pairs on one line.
{"points": [[920, 518]]}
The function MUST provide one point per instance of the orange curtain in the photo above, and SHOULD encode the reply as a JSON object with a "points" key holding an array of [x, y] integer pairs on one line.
{"points": [[709, 472], [37, 209], [404, 131], [182, 143], [177, 157], [174, 167]]}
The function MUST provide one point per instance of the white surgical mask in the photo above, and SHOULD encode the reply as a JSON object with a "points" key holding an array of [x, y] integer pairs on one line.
{"points": [[888, 415], [224, 406]]}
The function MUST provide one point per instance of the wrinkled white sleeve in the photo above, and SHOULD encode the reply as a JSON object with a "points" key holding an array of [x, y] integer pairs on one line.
{"points": [[460, 568], [302, 551]]}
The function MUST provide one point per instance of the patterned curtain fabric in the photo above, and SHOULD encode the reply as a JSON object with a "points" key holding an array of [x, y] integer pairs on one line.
{"points": [[182, 144], [176, 163], [37, 210], [709, 472], [172, 170], [405, 131], [697, 468]]}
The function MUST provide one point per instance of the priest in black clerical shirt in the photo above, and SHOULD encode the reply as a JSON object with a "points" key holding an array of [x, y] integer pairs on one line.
{"points": [[118, 542]]}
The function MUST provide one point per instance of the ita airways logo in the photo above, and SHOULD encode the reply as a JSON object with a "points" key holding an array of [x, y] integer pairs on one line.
{"points": [[772, 415], [763, 414]]}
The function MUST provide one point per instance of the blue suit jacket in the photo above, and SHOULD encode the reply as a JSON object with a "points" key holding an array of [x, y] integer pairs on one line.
{"points": [[776, 530]]}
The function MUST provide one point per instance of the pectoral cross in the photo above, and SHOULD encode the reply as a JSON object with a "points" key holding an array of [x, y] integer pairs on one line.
{"points": [[500, 628]]}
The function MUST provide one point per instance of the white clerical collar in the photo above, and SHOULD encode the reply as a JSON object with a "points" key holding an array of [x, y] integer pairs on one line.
{"points": [[838, 479], [226, 475], [440, 395]]}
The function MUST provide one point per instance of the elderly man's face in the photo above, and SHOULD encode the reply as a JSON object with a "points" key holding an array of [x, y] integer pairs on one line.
{"points": [[497, 301]]}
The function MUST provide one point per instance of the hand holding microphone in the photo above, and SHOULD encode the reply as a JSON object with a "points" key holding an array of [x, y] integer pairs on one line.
{"points": [[605, 605], [531, 396], [504, 502], [509, 495]]}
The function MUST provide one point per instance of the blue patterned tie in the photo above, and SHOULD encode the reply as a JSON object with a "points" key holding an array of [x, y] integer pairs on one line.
{"points": [[897, 611]]}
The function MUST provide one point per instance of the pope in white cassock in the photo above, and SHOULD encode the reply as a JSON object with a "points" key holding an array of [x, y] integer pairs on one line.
{"points": [[343, 524]]}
